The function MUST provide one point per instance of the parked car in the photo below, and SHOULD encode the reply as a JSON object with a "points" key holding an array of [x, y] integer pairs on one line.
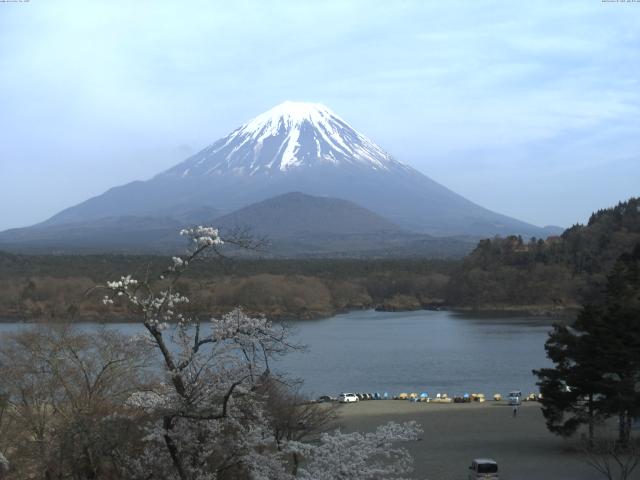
{"points": [[483, 468], [325, 398], [348, 398]]}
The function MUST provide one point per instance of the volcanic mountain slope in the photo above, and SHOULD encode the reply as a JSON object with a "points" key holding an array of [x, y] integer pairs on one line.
{"points": [[296, 214], [301, 147], [291, 225], [300, 225]]}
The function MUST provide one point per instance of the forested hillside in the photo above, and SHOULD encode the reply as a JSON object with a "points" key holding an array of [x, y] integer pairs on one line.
{"points": [[556, 272], [501, 273]]}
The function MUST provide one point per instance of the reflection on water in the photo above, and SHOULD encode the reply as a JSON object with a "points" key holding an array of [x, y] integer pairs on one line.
{"points": [[422, 351]]}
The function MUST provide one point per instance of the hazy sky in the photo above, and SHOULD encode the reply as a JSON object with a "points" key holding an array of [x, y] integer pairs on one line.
{"points": [[531, 109]]}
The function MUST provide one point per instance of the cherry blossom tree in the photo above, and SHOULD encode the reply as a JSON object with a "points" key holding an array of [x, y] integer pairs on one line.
{"points": [[366, 456], [211, 418]]}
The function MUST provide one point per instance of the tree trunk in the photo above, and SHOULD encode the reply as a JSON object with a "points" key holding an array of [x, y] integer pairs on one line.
{"points": [[89, 468], [173, 449], [591, 420], [296, 463], [624, 428]]}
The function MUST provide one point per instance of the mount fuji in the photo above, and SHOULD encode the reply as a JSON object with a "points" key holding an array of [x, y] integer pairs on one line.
{"points": [[294, 147]]}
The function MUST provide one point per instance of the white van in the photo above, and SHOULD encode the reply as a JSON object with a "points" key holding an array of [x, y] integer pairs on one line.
{"points": [[515, 397], [348, 398], [483, 468]]}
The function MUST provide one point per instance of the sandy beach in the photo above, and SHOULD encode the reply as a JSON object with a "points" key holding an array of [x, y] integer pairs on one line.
{"points": [[454, 434]]}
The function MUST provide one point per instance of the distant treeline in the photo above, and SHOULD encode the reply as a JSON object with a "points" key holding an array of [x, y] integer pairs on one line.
{"points": [[501, 273], [55, 286]]}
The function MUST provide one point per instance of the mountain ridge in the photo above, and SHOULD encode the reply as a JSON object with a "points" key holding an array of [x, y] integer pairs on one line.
{"points": [[307, 148], [288, 226]]}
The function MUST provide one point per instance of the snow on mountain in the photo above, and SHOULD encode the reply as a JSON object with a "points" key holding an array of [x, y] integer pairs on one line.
{"points": [[289, 136]]}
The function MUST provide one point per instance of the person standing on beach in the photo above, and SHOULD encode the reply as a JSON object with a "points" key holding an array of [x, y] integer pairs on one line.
{"points": [[515, 410]]}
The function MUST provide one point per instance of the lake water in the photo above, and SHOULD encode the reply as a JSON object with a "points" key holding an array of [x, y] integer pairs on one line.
{"points": [[421, 351]]}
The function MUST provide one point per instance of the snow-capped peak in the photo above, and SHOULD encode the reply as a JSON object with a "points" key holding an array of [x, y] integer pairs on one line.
{"points": [[291, 113], [288, 136]]}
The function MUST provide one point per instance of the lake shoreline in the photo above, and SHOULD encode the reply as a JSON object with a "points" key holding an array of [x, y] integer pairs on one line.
{"points": [[529, 310]]}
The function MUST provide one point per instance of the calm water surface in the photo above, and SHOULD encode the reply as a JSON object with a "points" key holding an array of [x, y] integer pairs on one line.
{"points": [[421, 351]]}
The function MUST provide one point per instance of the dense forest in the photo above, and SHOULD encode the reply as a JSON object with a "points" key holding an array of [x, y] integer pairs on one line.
{"points": [[541, 275], [556, 272]]}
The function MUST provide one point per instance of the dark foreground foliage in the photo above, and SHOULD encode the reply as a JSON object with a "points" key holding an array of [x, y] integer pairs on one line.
{"points": [[596, 370]]}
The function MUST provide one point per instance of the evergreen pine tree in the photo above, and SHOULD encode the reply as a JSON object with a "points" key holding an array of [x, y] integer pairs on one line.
{"points": [[596, 371]]}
